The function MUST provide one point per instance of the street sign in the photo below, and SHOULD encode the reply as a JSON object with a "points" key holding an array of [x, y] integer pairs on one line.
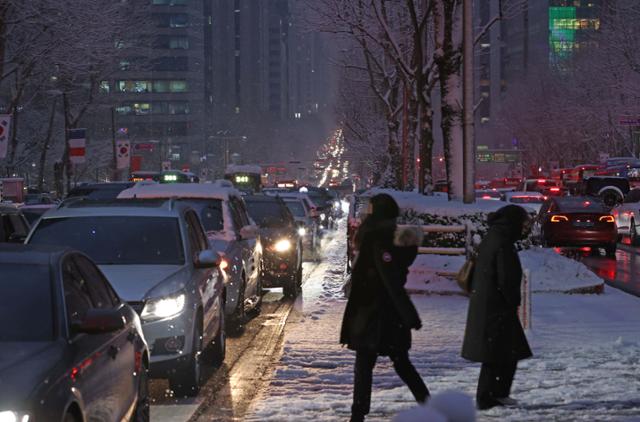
{"points": [[603, 157], [77, 145], [144, 146]]}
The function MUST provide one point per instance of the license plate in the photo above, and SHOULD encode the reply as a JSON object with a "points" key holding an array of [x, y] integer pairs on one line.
{"points": [[583, 224]]}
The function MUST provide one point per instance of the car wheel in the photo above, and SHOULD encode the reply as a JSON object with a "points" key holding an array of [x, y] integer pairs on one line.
{"points": [[186, 381], [239, 316], [219, 346], [143, 410], [633, 234], [610, 250], [70, 417], [293, 287]]}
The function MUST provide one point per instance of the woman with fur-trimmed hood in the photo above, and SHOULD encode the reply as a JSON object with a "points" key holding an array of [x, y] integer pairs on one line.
{"points": [[380, 315]]}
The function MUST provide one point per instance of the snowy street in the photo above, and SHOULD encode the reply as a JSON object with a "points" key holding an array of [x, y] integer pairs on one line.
{"points": [[586, 362]]}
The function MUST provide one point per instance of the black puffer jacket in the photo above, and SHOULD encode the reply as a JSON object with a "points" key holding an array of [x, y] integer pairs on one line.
{"points": [[379, 313], [493, 333]]}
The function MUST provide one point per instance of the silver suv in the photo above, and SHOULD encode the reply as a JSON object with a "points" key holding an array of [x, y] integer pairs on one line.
{"points": [[157, 257], [231, 233]]}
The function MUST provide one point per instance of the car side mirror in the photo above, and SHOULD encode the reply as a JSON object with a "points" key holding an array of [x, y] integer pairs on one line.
{"points": [[207, 259], [98, 321], [249, 232]]}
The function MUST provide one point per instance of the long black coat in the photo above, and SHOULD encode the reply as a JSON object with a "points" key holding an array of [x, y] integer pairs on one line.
{"points": [[379, 314], [493, 333]]}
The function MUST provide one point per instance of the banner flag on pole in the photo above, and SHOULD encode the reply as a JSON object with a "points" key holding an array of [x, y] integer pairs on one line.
{"points": [[77, 145], [5, 130], [123, 148]]}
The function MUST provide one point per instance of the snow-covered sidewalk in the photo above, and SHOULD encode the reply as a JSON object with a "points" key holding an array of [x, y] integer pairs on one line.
{"points": [[586, 364]]}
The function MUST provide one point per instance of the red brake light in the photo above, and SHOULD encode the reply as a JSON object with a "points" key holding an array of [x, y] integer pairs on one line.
{"points": [[555, 189], [607, 219], [559, 218], [486, 197], [542, 181]]}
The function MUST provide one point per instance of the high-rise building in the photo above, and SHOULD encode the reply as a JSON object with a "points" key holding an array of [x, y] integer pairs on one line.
{"points": [[540, 33], [163, 95]]}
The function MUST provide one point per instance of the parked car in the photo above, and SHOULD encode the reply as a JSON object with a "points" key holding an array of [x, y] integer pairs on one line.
{"points": [[231, 233], [612, 190], [627, 217], [14, 227], [307, 226], [35, 205], [281, 243], [100, 191], [71, 349], [158, 259], [575, 221], [532, 200]]}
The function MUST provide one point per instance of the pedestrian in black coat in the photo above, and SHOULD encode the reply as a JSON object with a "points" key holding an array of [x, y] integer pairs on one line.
{"points": [[494, 335], [379, 314]]}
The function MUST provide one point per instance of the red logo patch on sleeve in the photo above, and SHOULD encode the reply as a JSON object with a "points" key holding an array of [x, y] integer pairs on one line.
{"points": [[386, 257]]}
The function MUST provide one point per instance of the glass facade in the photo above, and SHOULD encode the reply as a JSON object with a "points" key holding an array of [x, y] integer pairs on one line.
{"points": [[155, 107], [570, 23]]}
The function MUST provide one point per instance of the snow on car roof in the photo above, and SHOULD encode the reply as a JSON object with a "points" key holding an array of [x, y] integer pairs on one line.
{"points": [[524, 193], [180, 190]]}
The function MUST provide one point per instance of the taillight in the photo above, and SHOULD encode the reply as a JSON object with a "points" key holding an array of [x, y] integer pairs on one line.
{"points": [[559, 218], [607, 219]]}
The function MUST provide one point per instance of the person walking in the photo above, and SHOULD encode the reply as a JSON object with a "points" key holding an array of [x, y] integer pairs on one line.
{"points": [[493, 334], [379, 314]]}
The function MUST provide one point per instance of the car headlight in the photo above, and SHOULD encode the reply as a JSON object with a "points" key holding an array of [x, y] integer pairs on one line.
{"points": [[302, 231], [323, 216], [337, 205], [282, 245], [12, 416], [163, 308]]}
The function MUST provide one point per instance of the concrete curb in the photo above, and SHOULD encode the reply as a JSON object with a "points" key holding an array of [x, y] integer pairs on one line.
{"points": [[587, 290]]}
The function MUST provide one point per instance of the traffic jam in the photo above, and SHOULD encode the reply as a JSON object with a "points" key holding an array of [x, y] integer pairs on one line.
{"points": [[121, 283]]}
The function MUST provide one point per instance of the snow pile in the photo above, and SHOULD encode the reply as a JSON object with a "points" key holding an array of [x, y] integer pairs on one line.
{"points": [[437, 205], [550, 272], [447, 406]]}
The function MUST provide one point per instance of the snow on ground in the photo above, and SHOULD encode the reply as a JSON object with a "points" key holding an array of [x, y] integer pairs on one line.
{"points": [[586, 364], [549, 272]]}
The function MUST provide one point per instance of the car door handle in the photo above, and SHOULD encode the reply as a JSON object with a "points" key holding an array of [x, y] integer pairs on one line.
{"points": [[113, 351]]}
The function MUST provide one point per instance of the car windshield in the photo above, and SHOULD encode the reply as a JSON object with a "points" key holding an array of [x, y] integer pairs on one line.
{"points": [[267, 213], [25, 297], [296, 208], [527, 199], [113, 240]]}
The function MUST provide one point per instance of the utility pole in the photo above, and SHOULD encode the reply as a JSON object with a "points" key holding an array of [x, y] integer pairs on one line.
{"points": [[405, 137], [67, 152], [469, 159]]}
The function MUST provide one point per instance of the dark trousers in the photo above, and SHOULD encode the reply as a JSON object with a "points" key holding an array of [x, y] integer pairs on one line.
{"points": [[495, 381], [365, 362]]}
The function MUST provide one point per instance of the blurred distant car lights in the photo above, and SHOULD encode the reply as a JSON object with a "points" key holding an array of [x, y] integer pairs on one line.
{"points": [[224, 264], [607, 219], [12, 416], [323, 216], [163, 308], [281, 246], [302, 231], [559, 218]]}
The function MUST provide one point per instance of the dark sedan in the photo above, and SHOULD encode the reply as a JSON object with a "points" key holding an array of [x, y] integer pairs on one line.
{"points": [[70, 349], [281, 243], [575, 221]]}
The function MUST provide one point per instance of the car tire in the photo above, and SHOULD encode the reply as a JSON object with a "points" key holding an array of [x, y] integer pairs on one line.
{"points": [[186, 381], [610, 250], [239, 315], [143, 407], [633, 234], [294, 286], [219, 346]]}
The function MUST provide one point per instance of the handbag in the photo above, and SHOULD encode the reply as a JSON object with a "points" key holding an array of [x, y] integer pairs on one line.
{"points": [[465, 275]]}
